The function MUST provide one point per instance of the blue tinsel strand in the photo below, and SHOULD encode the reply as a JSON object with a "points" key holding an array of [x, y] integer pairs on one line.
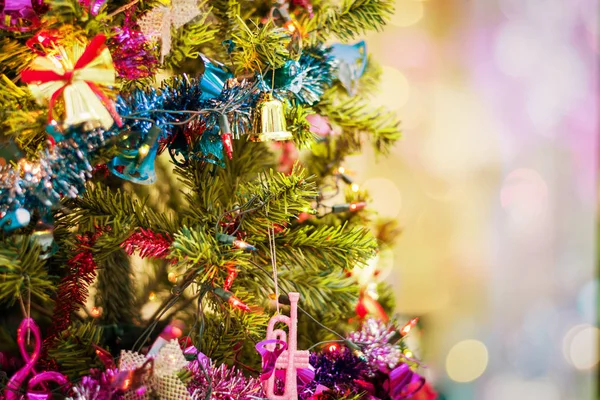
{"points": [[307, 78], [64, 169]]}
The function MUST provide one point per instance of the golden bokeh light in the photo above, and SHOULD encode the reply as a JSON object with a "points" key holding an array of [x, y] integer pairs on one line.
{"points": [[394, 89], [466, 361], [386, 196], [408, 12]]}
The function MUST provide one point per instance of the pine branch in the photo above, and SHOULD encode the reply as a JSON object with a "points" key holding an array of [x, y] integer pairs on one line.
{"points": [[226, 330], [213, 190], [352, 18], [276, 199], [354, 116], [386, 297], [99, 205], [299, 126], [199, 254], [64, 11], [72, 350], [27, 129], [14, 57], [116, 289], [227, 12], [187, 42], [23, 272], [13, 95], [261, 48], [322, 294], [325, 248]]}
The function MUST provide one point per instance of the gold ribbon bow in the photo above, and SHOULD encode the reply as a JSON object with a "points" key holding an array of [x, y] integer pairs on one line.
{"points": [[78, 73]]}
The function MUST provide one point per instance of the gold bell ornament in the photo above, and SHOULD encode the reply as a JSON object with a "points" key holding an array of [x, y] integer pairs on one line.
{"points": [[269, 123], [81, 75]]}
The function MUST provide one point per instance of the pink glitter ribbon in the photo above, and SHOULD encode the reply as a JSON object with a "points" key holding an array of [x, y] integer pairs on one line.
{"points": [[403, 383], [15, 383], [269, 358]]}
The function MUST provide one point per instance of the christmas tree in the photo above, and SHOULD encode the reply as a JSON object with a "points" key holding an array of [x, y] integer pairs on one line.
{"points": [[173, 187]]}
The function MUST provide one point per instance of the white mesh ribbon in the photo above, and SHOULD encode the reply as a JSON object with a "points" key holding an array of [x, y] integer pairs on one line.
{"points": [[157, 23], [164, 381]]}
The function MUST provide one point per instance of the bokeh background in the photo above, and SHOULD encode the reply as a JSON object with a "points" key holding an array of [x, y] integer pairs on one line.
{"points": [[494, 186]]}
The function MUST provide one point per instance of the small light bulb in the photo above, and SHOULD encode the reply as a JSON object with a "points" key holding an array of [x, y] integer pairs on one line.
{"points": [[96, 312], [408, 353], [341, 170], [333, 347], [355, 187], [237, 303], [240, 244], [409, 325], [290, 26], [172, 276], [151, 296]]}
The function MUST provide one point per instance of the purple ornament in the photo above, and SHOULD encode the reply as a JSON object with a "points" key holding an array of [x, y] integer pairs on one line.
{"points": [[21, 15], [269, 357], [403, 383]]}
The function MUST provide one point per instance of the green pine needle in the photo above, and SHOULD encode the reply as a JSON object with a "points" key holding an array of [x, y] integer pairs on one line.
{"points": [[23, 272], [73, 350], [261, 48], [187, 41], [355, 117], [298, 125], [351, 19]]}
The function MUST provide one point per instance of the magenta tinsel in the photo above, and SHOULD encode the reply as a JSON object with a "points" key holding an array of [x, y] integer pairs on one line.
{"points": [[373, 339], [132, 53], [222, 383]]}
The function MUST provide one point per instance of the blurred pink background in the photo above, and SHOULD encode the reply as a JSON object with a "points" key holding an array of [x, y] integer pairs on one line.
{"points": [[495, 186]]}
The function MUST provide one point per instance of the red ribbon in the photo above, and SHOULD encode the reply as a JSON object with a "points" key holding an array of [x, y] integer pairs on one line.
{"points": [[91, 52]]}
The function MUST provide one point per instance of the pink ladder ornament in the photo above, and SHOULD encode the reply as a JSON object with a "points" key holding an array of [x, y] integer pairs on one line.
{"points": [[291, 359]]}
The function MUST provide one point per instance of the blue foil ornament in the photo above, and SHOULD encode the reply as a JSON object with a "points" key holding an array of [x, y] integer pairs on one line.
{"points": [[15, 219], [210, 147], [306, 78], [288, 76], [213, 79], [137, 165], [351, 64]]}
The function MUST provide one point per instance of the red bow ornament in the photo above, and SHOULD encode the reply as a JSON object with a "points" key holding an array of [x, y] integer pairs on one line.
{"points": [[77, 73]]}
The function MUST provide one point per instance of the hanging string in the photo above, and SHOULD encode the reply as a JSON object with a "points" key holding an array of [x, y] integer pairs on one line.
{"points": [[28, 308], [271, 233]]}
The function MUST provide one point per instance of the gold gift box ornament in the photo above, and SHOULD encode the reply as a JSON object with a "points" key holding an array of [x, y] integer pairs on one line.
{"points": [[81, 75]]}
